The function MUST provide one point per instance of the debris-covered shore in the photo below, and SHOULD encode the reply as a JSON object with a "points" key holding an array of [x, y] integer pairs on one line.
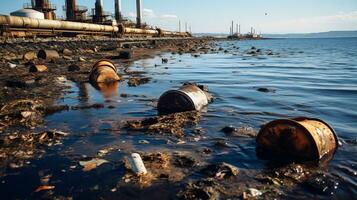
{"points": [[32, 83]]}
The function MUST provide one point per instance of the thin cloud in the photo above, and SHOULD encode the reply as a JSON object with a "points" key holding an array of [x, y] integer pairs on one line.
{"points": [[168, 17], [340, 21]]}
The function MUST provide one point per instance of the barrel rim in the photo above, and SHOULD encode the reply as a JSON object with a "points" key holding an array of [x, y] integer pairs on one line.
{"points": [[294, 122], [105, 60]]}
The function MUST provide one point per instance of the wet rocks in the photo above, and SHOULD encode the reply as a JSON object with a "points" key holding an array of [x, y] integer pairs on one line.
{"points": [[73, 68], [204, 189], [221, 171], [67, 52], [265, 90], [241, 131], [251, 193], [17, 148], [127, 54], [164, 60]]}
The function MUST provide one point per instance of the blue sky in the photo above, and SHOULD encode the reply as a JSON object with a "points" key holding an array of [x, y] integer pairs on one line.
{"points": [[283, 16]]}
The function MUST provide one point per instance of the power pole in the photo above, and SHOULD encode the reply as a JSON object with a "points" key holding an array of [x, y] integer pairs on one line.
{"points": [[185, 26]]}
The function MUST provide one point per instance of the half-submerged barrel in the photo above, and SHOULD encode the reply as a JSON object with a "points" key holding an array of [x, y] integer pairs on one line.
{"points": [[104, 71], [301, 138], [186, 98]]}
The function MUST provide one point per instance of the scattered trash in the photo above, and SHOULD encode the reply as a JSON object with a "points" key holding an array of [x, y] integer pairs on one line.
{"points": [[92, 164], [11, 65], [137, 164], [251, 193], [44, 187], [299, 138], [48, 55], [31, 55], [186, 98], [104, 71], [38, 68]]}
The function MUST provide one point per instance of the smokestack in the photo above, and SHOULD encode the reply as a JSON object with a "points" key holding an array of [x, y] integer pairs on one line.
{"points": [[179, 26], [33, 4], [232, 27], [71, 10], [118, 15], [98, 11], [138, 13]]}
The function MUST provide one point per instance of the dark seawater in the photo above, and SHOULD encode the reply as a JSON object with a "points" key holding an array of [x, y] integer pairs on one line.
{"points": [[307, 77]]}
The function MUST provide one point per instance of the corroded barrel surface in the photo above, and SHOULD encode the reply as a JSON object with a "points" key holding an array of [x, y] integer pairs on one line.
{"points": [[104, 71], [298, 138]]}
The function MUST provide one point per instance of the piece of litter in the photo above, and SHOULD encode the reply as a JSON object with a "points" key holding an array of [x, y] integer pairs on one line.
{"points": [[92, 164], [44, 187]]}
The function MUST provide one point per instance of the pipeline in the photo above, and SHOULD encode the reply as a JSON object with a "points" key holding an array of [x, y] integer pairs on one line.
{"points": [[137, 31], [31, 23], [30, 26]]}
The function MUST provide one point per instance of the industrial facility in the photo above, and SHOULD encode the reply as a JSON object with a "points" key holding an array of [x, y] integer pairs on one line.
{"points": [[38, 18]]}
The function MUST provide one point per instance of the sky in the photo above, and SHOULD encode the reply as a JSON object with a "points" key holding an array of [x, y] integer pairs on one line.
{"points": [[215, 16]]}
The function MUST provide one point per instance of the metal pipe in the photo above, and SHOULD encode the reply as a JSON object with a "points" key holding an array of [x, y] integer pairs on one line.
{"points": [[118, 14], [25, 22], [139, 31], [138, 13]]}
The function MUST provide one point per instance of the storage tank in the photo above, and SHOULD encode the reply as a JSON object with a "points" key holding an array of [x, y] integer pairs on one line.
{"points": [[30, 13]]}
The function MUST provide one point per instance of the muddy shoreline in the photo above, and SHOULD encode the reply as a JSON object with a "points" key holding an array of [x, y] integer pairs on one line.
{"points": [[27, 98]]}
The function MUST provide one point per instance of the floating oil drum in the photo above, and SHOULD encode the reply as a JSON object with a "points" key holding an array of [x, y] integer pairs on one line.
{"points": [[104, 71], [186, 98], [299, 138]]}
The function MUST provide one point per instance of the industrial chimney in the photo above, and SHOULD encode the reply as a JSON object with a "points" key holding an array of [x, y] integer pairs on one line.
{"points": [[98, 18], [71, 10], [46, 7], [138, 13], [118, 14]]}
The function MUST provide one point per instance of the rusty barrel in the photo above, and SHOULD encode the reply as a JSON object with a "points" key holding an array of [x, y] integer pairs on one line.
{"points": [[104, 71], [48, 54], [186, 98], [300, 138]]}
